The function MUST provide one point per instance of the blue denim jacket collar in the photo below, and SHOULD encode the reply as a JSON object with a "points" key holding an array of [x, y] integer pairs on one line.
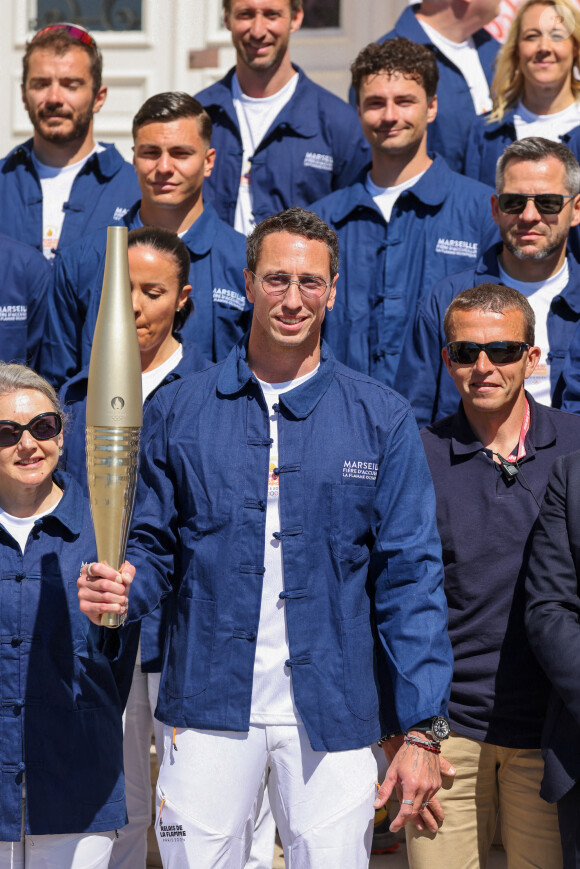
{"points": [[200, 236], [301, 401]]}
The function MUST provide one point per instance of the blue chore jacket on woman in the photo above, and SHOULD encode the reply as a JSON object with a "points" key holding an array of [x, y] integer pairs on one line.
{"points": [[60, 712], [361, 555], [221, 311]]}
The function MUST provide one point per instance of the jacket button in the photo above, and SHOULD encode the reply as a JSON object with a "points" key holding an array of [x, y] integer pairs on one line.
{"points": [[250, 397], [16, 641], [22, 766], [19, 577]]}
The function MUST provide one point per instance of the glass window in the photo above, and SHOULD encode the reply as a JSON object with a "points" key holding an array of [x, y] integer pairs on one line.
{"points": [[321, 13], [91, 14]]}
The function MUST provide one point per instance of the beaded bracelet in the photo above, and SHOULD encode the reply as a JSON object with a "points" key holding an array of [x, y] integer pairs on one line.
{"points": [[427, 744]]}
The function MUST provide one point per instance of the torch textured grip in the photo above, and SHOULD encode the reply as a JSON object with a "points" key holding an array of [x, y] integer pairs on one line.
{"points": [[112, 461]]}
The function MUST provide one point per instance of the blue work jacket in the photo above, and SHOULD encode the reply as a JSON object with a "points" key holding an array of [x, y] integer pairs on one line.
{"points": [[221, 312], [360, 550], [60, 712], [24, 291], [103, 191], [315, 145], [449, 131], [422, 376], [438, 226], [486, 144], [73, 397]]}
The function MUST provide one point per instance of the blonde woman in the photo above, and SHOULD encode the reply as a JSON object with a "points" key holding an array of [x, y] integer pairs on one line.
{"points": [[535, 89]]}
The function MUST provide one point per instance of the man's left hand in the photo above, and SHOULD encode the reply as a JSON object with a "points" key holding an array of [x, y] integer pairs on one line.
{"points": [[416, 774]]}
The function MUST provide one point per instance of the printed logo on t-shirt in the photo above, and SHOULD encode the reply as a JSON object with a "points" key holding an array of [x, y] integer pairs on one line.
{"points": [[357, 470], [272, 481], [319, 161], [13, 313], [120, 212], [229, 297], [454, 247]]}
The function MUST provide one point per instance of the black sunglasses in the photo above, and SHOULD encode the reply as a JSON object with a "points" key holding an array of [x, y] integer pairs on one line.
{"points": [[546, 203], [498, 352], [41, 427]]}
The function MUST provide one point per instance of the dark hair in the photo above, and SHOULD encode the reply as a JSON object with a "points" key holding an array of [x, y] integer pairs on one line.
{"points": [[295, 6], [296, 221], [534, 149], [166, 242], [397, 56], [491, 297], [170, 106], [60, 42]]}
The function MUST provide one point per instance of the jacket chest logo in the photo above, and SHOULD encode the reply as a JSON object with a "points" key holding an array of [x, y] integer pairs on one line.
{"points": [[354, 469]]}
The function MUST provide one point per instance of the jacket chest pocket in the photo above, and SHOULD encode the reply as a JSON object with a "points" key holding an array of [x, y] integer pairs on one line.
{"points": [[351, 511]]}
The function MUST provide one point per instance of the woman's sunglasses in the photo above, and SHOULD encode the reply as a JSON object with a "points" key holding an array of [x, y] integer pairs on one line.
{"points": [[41, 427]]}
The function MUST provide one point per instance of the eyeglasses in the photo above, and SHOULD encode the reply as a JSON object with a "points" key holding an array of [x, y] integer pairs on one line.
{"points": [[278, 284], [546, 203], [75, 30], [41, 427], [498, 352]]}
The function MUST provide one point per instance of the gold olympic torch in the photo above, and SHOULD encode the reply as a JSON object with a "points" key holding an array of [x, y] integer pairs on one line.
{"points": [[114, 410]]}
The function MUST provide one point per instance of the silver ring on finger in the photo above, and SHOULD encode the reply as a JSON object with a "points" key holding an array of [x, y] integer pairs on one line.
{"points": [[424, 805], [90, 570], [408, 802]]}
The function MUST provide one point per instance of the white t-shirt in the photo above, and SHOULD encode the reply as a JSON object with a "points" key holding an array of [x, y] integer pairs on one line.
{"points": [[56, 184], [272, 695], [465, 57], [385, 197], [20, 528], [255, 117], [549, 126], [151, 379], [539, 294]]}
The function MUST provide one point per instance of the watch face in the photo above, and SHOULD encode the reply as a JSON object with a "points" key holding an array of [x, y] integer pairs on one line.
{"points": [[440, 728]]}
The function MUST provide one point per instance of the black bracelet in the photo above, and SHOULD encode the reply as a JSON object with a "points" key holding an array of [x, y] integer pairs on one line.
{"points": [[388, 736]]}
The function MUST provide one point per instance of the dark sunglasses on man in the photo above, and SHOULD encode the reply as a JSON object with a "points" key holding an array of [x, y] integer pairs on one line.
{"points": [[546, 203], [498, 352]]}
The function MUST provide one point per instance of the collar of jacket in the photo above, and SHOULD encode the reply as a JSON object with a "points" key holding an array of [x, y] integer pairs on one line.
{"points": [[488, 266], [107, 163], [408, 26], [69, 510], [507, 123], [236, 377], [199, 238], [431, 189], [300, 114], [542, 432]]}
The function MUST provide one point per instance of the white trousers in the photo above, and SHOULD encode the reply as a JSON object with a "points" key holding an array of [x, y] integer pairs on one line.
{"points": [[130, 849], [211, 785], [66, 851]]}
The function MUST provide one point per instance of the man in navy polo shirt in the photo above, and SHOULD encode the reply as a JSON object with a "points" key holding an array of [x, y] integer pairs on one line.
{"points": [[300, 568], [172, 159], [409, 222], [490, 463], [533, 257], [465, 52]]}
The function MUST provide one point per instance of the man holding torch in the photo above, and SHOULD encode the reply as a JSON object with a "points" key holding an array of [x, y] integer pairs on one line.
{"points": [[286, 511]]}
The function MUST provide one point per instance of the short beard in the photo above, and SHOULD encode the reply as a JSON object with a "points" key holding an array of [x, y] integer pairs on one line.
{"points": [[538, 256], [78, 132]]}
